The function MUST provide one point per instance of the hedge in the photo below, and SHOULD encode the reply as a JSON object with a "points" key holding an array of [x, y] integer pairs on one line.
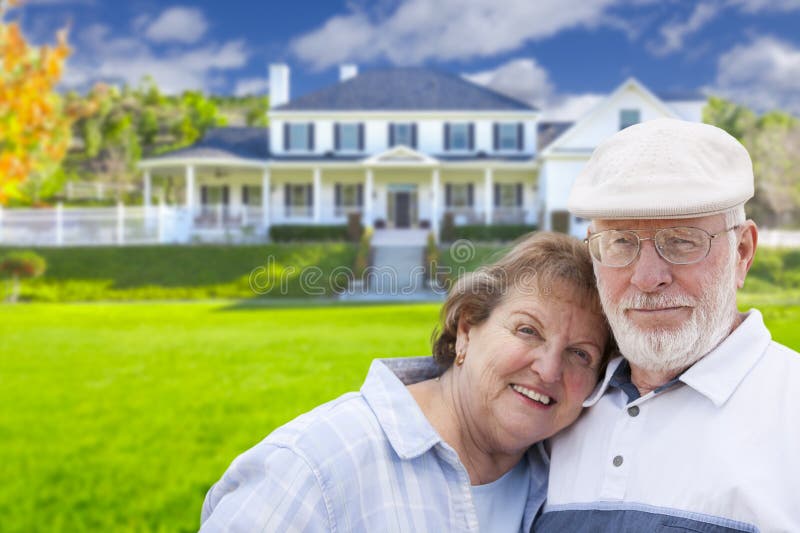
{"points": [[297, 233], [486, 233]]}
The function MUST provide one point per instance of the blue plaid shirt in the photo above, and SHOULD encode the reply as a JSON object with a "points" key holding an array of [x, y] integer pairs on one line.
{"points": [[367, 461]]}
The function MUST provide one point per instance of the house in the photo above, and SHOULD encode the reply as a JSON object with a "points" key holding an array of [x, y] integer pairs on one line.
{"points": [[400, 147]]}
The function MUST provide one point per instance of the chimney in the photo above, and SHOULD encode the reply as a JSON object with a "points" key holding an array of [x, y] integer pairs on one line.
{"points": [[347, 71], [278, 84]]}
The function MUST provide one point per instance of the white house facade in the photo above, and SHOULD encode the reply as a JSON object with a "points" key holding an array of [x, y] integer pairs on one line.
{"points": [[403, 148]]}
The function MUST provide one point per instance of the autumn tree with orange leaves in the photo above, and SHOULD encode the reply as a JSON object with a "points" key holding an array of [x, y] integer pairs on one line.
{"points": [[34, 126]]}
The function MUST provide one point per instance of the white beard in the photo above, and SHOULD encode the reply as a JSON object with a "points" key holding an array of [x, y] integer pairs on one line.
{"points": [[672, 350]]}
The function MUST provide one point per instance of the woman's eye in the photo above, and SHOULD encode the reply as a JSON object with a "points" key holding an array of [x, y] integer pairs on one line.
{"points": [[583, 356], [527, 330]]}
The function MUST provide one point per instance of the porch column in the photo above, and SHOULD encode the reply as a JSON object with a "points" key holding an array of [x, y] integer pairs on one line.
{"points": [[435, 203], [317, 195], [148, 192], [488, 193], [190, 188], [368, 220], [265, 197]]}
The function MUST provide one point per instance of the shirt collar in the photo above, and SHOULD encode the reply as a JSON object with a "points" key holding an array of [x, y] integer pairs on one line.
{"points": [[717, 374], [398, 414]]}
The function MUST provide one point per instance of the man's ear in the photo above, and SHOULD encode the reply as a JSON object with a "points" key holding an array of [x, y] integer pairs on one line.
{"points": [[745, 251]]}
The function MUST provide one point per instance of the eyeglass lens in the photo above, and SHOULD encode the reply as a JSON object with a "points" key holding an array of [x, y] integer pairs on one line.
{"points": [[682, 245]]}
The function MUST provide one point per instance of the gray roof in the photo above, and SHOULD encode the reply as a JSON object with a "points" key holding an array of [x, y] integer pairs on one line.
{"points": [[231, 143], [549, 132], [673, 96], [405, 89]]}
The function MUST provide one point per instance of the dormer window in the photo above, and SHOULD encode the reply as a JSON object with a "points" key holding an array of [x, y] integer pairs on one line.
{"points": [[349, 137], [298, 137], [403, 134], [629, 117], [508, 136], [459, 136]]}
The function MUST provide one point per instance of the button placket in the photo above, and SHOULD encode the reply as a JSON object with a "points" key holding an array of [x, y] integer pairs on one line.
{"points": [[624, 441]]}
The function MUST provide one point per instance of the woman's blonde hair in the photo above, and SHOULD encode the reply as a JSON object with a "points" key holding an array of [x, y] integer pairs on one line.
{"points": [[540, 261]]}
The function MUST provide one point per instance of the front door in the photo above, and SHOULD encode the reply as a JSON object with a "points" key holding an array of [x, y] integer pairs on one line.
{"points": [[402, 213]]}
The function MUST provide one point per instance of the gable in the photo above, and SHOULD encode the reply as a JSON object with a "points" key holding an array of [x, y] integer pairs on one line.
{"points": [[604, 120], [400, 156]]}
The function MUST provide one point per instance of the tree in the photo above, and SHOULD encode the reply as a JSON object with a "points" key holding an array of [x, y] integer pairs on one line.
{"points": [[34, 126], [21, 265]]}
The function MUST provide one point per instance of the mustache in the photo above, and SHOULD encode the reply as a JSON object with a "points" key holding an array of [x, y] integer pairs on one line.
{"points": [[656, 301]]}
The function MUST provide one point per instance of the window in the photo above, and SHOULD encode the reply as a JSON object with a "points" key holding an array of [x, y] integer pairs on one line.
{"points": [[298, 137], [349, 197], [349, 137], [508, 136], [628, 117], [214, 194], [251, 195], [458, 195], [299, 195], [298, 199], [404, 134], [458, 136], [508, 194]]}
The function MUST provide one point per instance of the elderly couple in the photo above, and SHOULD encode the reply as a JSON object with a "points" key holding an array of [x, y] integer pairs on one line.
{"points": [[520, 422]]}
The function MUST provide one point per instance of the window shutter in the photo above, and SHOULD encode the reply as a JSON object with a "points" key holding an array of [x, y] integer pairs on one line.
{"points": [[496, 136], [286, 136], [361, 137], [309, 195], [360, 193], [287, 195], [519, 195], [446, 135], [337, 195], [336, 136], [245, 195], [225, 195], [520, 137], [203, 195], [470, 194], [414, 136], [391, 134], [448, 195], [471, 135], [310, 136], [497, 195]]}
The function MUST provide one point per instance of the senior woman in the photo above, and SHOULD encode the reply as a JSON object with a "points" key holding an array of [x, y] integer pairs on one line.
{"points": [[442, 443]]}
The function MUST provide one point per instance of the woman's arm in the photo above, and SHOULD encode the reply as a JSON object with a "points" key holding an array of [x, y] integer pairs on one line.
{"points": [[268, 488]]}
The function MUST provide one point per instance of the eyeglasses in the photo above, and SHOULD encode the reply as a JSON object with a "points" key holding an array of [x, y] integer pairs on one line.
{"points": [[679, 246]]}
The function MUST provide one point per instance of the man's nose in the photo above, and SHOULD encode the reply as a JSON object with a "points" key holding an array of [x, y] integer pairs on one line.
{"points": [[651, 272]]}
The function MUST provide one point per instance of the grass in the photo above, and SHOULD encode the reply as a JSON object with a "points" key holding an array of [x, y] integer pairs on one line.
{"points": [[119, 417]]}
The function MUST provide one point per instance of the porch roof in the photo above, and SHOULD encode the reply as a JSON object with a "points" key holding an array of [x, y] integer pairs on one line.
{"points": [[220, 145]]}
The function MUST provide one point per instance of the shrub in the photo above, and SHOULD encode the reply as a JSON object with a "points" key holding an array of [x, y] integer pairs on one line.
{"points": [[290, 233], [21, 265], [487, 233], [362, 259]]}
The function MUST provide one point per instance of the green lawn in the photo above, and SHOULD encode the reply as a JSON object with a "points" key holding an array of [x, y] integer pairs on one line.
{"points": [[118, 417]]}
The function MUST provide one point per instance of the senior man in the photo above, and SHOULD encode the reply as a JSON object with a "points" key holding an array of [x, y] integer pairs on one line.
{"points": [[697, 428]]}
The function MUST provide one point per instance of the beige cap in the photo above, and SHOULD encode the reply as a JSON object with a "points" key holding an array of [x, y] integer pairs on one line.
{"points": [[663, 168]]}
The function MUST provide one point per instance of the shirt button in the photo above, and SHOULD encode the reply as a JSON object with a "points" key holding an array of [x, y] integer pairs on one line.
{"points": [[618, 460], [634, 410]]}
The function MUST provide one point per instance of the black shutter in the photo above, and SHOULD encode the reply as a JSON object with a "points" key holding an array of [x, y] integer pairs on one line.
{"points": [[391, 134], [471, 134], [446, 135], [336, 137], [245, 195], [360, 192], [286, 136], [309, 195], [448, 195], [203, 195], [311, 136], [519, 195], [225, 195], [337, 195], [470, 194], [496, 136], [497, 195], [361, 137], [520, 137], [287, 193], [414, 136]]}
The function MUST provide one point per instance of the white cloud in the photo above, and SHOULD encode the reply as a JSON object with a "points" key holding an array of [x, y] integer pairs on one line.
{"points": [[522, 79], [571, 107], [100, 56], [422, 30], [764, 74], [758, 6], [178, 24], [674, 33], [251, 86]]}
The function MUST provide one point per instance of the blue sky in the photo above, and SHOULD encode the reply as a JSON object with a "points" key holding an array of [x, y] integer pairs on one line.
{"points": [[560, 55]]}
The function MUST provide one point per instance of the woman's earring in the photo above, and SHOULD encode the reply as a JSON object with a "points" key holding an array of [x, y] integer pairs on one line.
{"points": [[460, 356]]}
